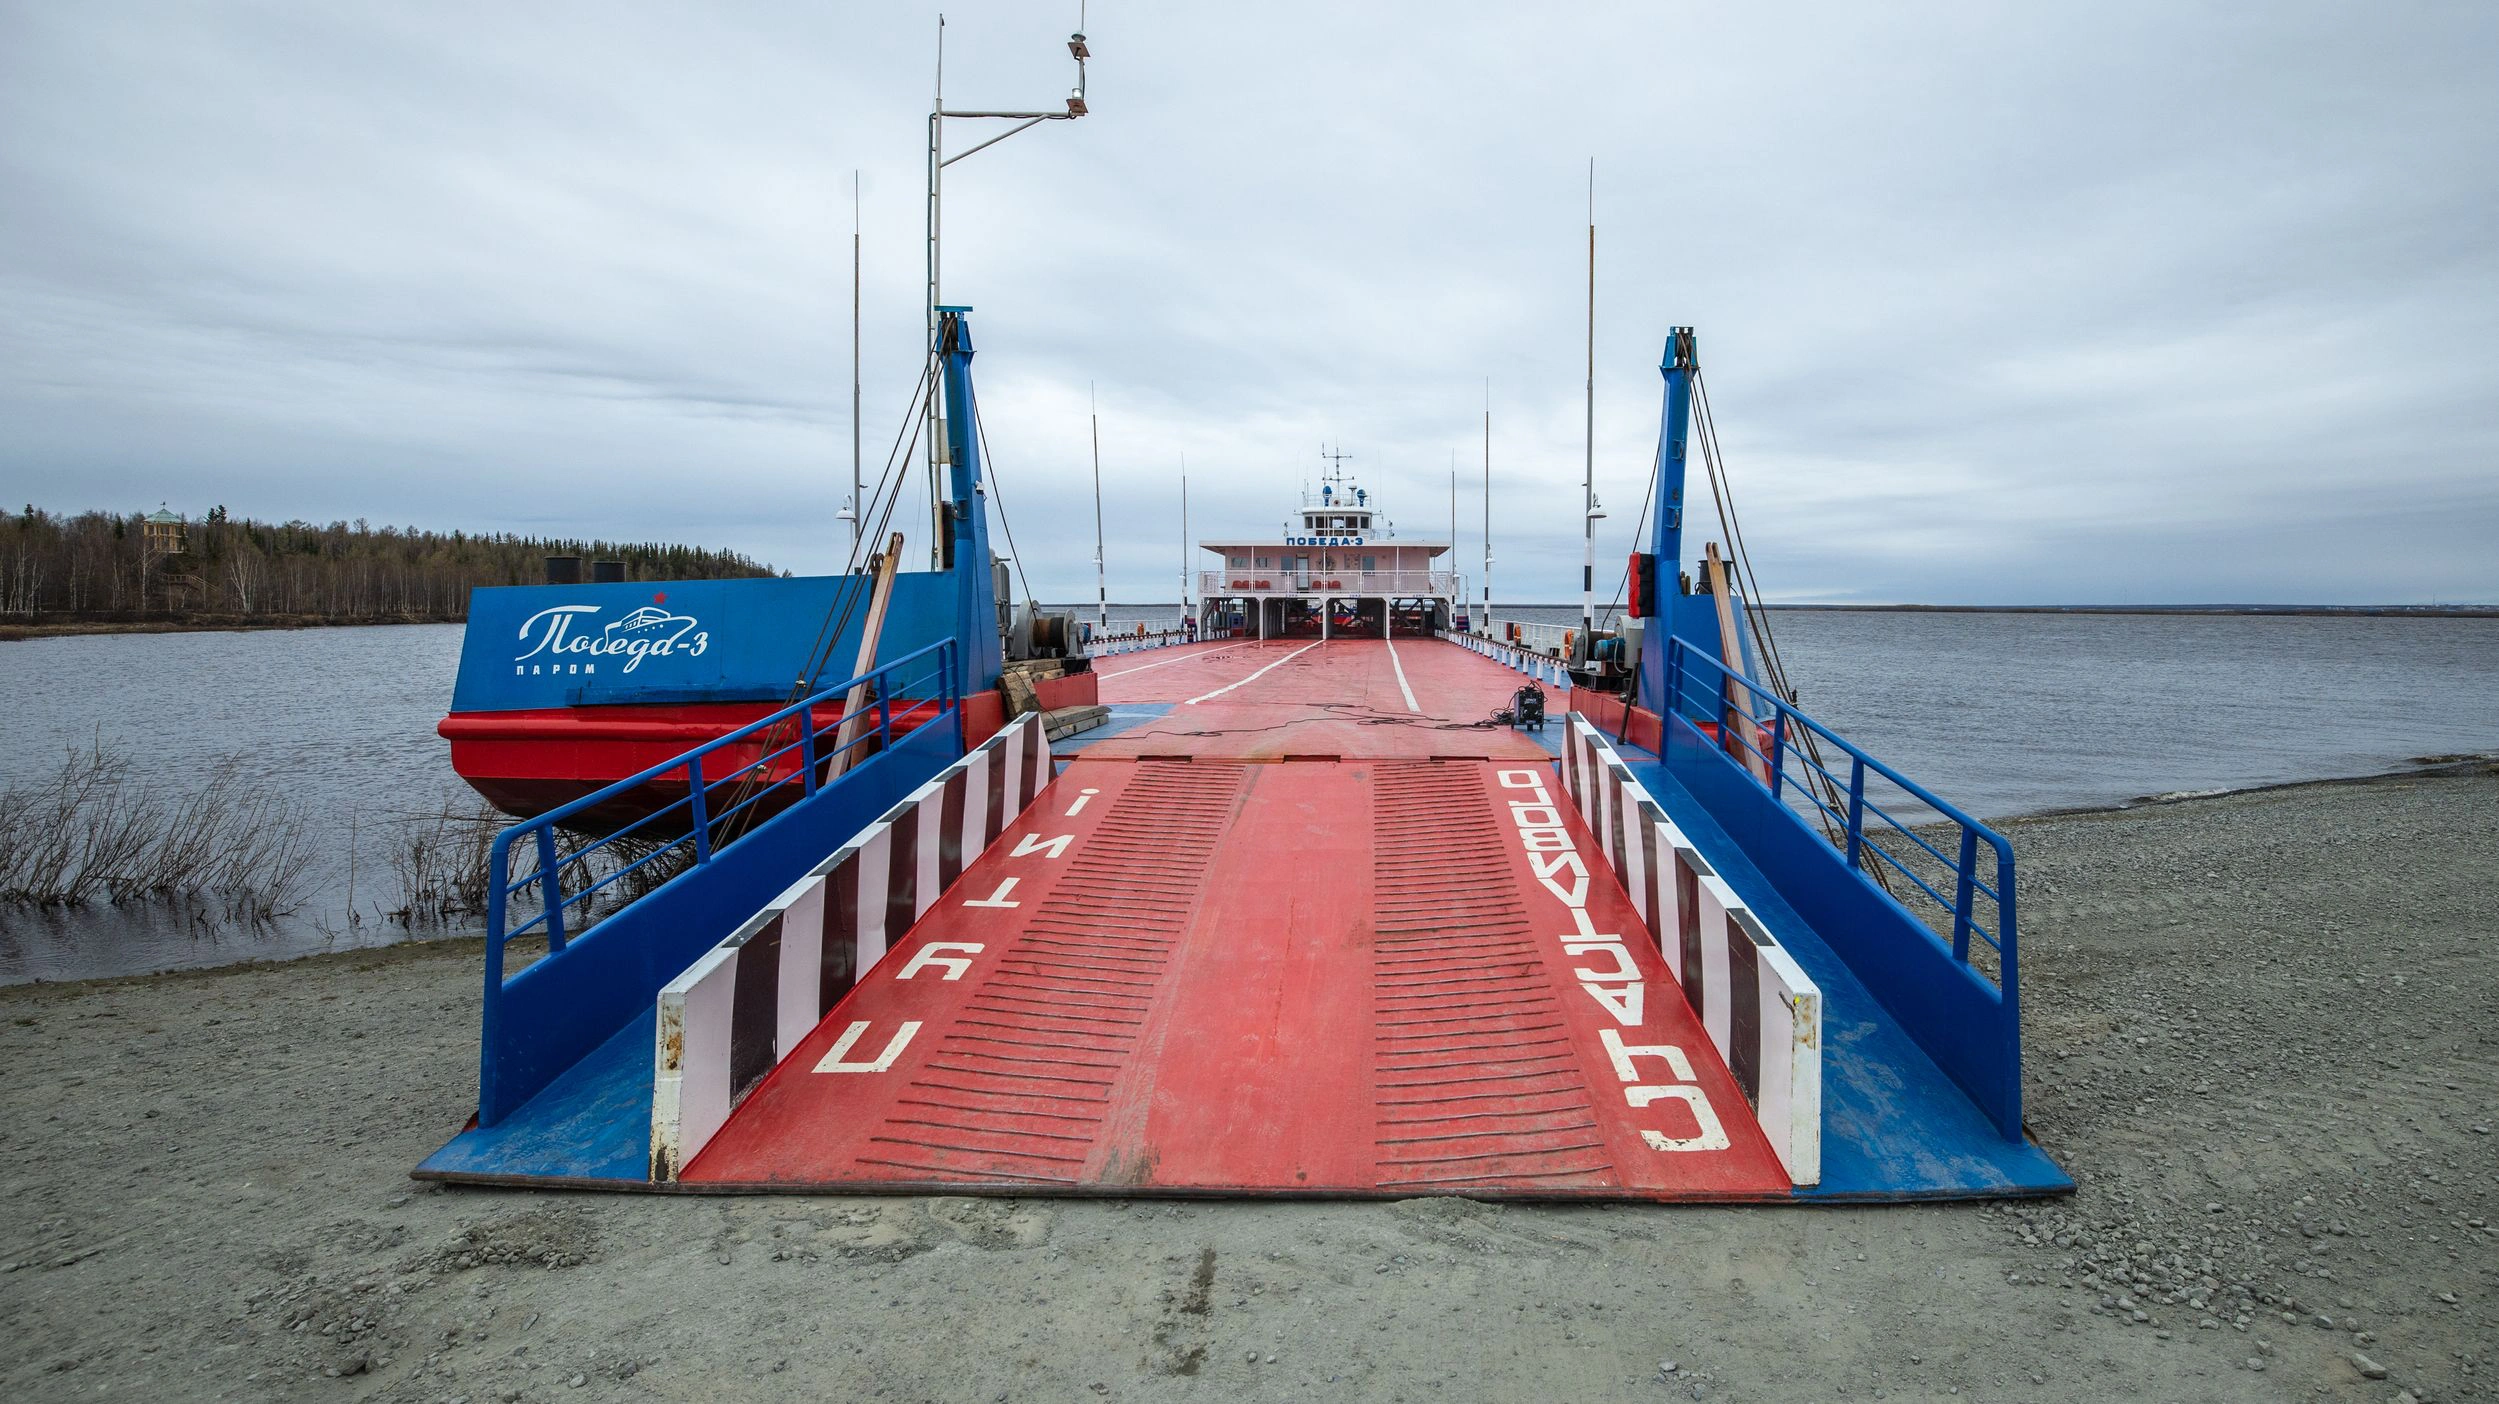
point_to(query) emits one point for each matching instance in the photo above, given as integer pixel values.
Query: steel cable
(1774, 665)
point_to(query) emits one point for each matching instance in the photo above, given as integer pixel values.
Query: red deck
(1346, 698)
(1369, 976)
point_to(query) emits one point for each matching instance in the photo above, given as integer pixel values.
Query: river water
(2002, 714)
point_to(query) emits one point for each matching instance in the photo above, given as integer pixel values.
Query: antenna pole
(1184, 535)
(938, 160)
(1101, 583)
(1458, 594)
(928, 348)
(1588, 474)
(857, 508)
(1487, 505)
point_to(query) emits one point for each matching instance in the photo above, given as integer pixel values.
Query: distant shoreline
(2440, 767)
(206, 624)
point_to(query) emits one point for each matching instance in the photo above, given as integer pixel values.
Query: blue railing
(918, 688)
(1777, 744)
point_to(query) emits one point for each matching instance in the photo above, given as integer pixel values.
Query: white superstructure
(1337, 564)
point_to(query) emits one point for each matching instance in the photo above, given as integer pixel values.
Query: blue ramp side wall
(676, 641)
(561, 1009)
(1947, 1008)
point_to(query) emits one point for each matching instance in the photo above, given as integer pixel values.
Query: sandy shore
(2261, 1036)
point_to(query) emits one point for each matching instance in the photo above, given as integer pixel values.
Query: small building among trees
(167, 533)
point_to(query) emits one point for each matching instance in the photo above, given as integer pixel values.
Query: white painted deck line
(1401, 674)
(1227, 687)
(1183, 658)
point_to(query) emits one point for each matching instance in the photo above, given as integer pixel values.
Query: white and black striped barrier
(737, 1012)
(1761, 1010)
(1541, 667)
(1113, 645)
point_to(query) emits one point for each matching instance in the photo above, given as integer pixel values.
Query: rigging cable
(1014, 552)
(1818, 779)
(1734, 528)
(1639, 528)
(855, 588)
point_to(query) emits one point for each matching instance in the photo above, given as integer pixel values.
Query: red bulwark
(1379, 976)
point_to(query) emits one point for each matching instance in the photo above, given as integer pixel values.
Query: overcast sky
(1997, 303)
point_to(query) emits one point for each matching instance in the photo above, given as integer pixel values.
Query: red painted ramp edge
(1359, 978)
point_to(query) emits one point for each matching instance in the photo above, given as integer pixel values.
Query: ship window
(1262, 563)
(1370, 563)
(1239, 562)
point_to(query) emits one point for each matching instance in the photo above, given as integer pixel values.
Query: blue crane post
(1682, 359)
(976, 604)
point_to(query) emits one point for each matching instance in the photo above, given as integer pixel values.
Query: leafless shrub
(91, 831)
(441, 861)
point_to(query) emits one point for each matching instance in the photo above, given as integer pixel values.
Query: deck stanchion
(1778, 750)
(947, 688)
(498, 910)
(2008, 956)
(551, 889)
(807, 746)
(1856, 811)
(1961, 894)
(702, 819)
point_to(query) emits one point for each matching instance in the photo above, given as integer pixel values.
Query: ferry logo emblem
(647, 619)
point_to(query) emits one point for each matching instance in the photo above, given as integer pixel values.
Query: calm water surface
(2000, 713)
(342, 718)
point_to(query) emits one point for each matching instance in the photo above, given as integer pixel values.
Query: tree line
(105, 566)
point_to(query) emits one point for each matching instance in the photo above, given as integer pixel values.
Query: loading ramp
(1226, 977)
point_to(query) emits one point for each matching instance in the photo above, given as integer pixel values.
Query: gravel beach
(2261, 1037)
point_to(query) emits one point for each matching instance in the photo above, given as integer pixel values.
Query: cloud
(2119, 303)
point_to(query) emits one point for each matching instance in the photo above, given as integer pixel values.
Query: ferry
(1332, 895)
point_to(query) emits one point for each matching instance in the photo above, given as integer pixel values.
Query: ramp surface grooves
(1477, 1083)
(1020, 1086)
(1381, 977)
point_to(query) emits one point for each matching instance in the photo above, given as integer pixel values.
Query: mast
(1184, 535)
(855, 508)
(1680, 363)
(1459, 595)
(1588, 474)
(976, 600)
(1487, 629)
(936, 204)
(1101, 586)
(1077, 49)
